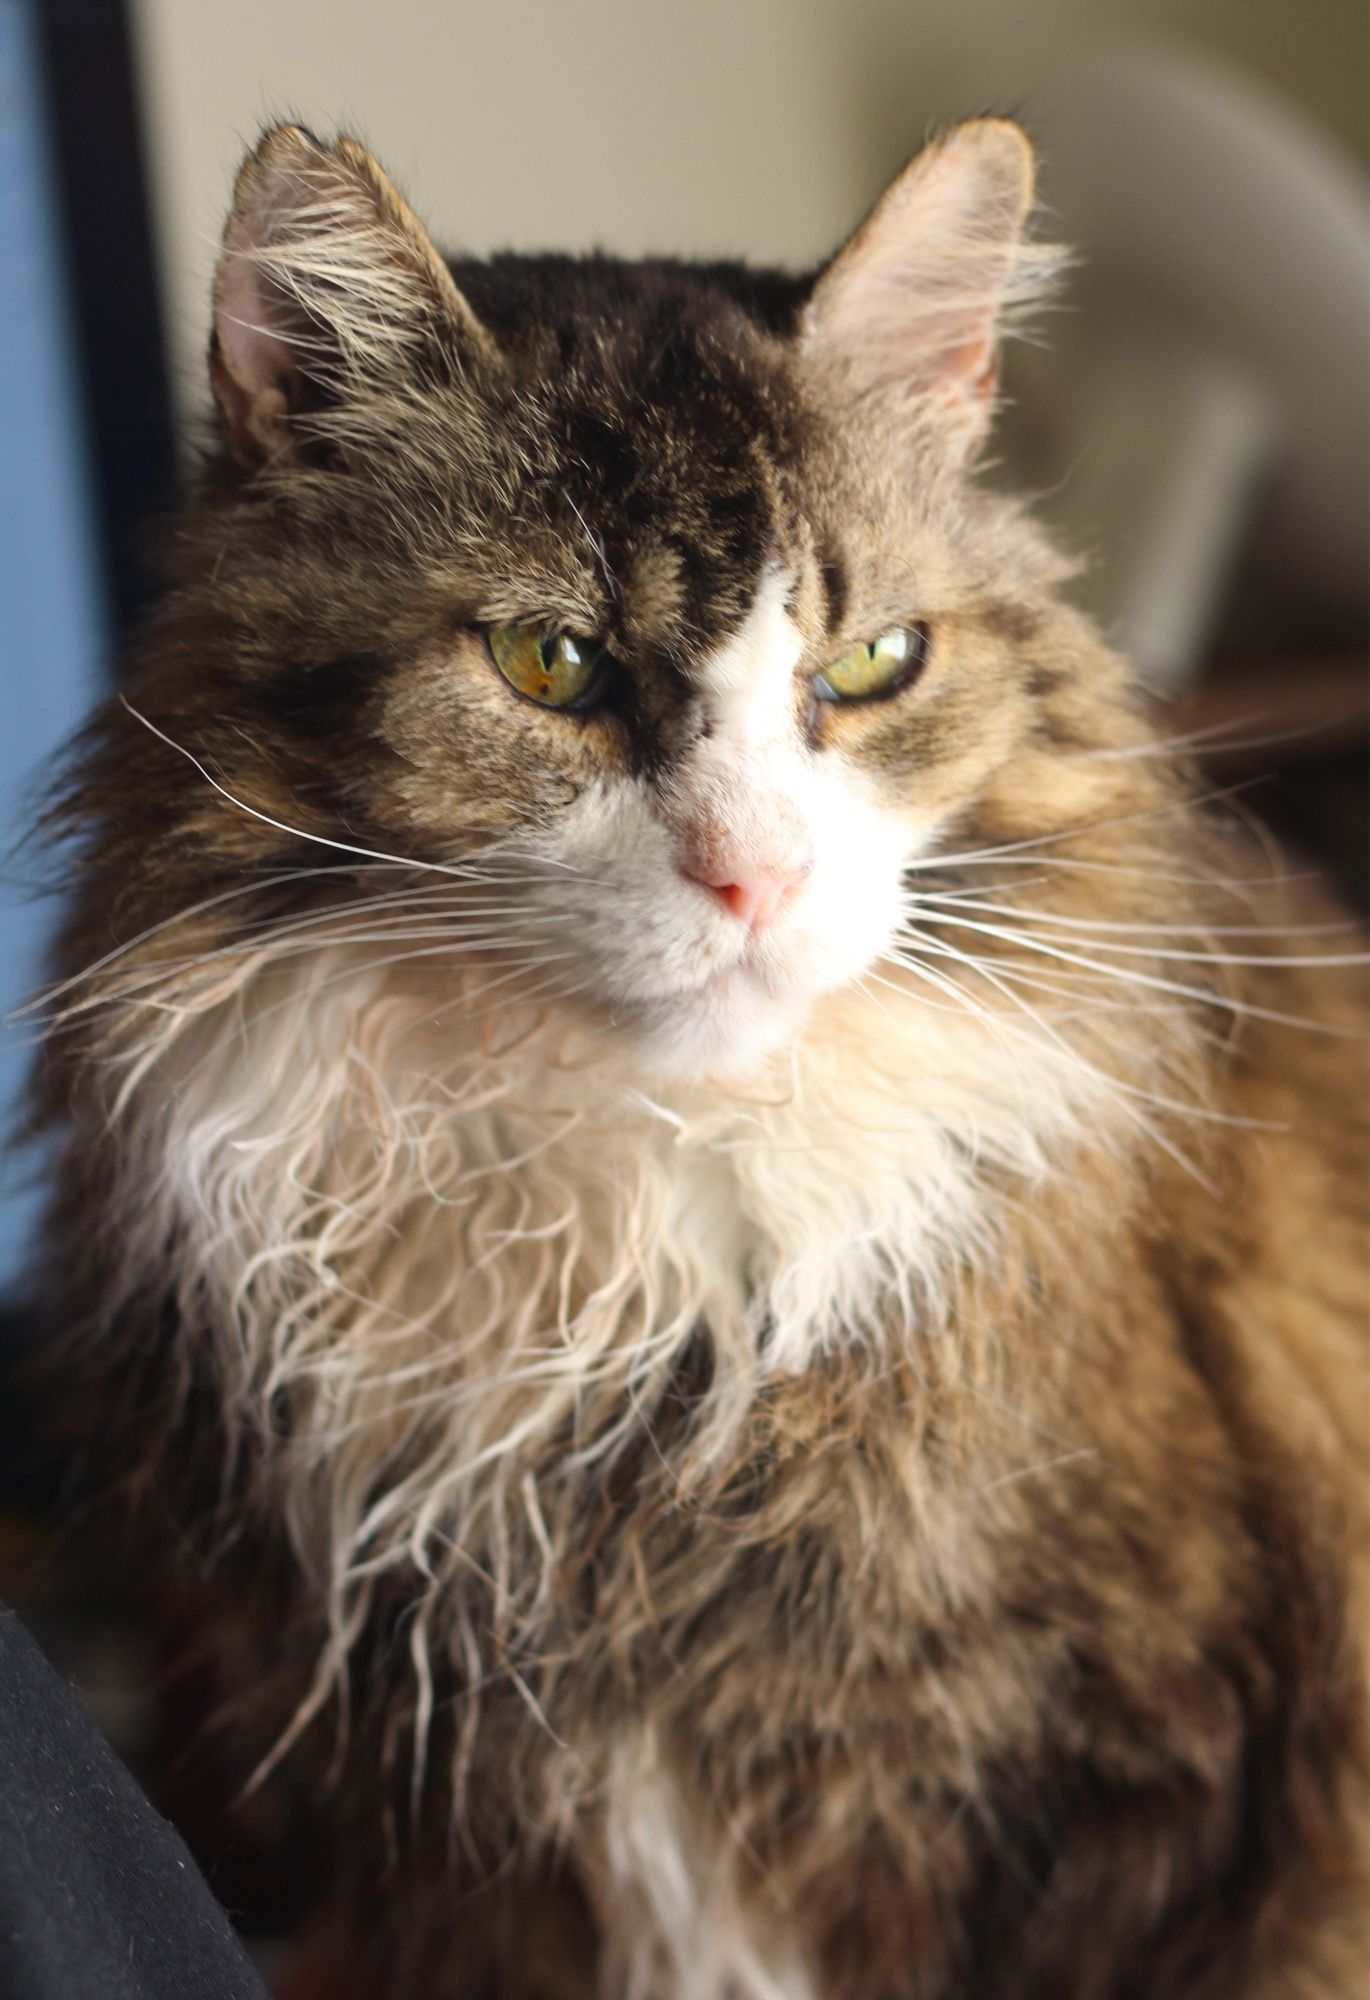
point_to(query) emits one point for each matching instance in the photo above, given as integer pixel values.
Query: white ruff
(444, 1244)
(466, 1263)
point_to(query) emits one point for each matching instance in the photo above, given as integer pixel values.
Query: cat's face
(661, 594)
(715, 876)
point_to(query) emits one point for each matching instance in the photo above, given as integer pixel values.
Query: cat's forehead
(650, 454)
(667, 429)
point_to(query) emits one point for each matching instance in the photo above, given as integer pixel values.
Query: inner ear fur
(913, 308)
(326, 279)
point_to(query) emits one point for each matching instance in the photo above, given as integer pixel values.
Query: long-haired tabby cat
(729, 1215)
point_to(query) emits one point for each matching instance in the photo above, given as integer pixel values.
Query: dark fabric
(99, 1898)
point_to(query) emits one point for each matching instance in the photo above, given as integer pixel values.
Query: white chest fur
(467, 1261)
(449, 1251)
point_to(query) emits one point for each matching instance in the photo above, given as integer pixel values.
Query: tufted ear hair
(327, 281)
(914, 305)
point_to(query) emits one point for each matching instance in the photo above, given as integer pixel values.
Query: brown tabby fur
(1023, 1657)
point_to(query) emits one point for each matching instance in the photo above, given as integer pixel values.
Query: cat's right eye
(875, 668)
(552, 668)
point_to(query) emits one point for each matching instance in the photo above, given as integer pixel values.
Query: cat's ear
(327, 282)
(913, 307)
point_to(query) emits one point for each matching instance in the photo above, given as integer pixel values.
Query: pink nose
(753, 895)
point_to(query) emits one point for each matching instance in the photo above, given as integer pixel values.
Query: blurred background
(1193, 418)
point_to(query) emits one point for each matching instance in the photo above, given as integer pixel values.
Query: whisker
(1222, 737)
(166, 976)
(253, 888)
(1155, 981)
(295, 832)
(1117, 1085)
(334, 920)
(984, 855)
(472, 873)
(931, 900)
(1168, 952)
(1233, 885)
(1079, 989)
(893, 986)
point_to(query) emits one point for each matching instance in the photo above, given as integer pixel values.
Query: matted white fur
(444, 1237)
(446, 1240)
(674, 1921)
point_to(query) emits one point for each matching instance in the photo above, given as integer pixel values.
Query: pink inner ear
(912, 306)
(257, 354)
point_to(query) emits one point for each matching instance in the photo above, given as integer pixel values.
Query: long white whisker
(280, 826)
(473, 872)
(932, 904)
(1129, 1094)
(986, 854)
(931, 900)
(1236, 885)
(164, 978)
(1159, 984)
(256, 887)
(336, 921)
(1079, 989)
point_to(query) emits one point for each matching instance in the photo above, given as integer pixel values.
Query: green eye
(876, 667)
(545, 666)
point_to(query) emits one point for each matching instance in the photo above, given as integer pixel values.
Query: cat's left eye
(550, 667)
(876, 667)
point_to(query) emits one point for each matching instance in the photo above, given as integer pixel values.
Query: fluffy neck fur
(449, 1266)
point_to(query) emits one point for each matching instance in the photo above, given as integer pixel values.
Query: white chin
(726, 1026)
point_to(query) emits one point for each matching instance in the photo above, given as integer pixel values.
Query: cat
(726, 1213)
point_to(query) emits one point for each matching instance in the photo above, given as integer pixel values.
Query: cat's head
(664, 592)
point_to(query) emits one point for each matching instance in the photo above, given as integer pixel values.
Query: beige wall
(752, 126)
